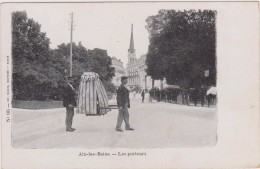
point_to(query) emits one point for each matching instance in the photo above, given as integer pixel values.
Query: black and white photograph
(123, 78)
(132, 80)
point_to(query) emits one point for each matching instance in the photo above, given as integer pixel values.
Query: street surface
(157, 125)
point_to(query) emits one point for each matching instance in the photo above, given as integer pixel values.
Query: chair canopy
(92, 95)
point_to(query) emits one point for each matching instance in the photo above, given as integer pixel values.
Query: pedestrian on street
(203, 94)
(123, 103)
(142, 94)
(157, 94)
(69, 101)
(150, 96)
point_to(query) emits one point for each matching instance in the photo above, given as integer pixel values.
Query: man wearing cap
(123, 103)
(69, 101)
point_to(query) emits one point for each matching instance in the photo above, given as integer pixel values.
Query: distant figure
(185, 97)
(123, 103)
(69, 101)
(203, 95)
(142, 94)
(150, 96)
(211, 98)
(157, 93)
(196, 96)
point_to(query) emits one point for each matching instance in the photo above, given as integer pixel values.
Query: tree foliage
(38, 71)
(86, 60)
(182, 46)
(30, 51)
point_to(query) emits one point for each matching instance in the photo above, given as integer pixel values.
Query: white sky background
(98, 25)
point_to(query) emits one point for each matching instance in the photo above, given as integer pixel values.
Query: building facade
(119, 71)
(136, 68)
(145, 81)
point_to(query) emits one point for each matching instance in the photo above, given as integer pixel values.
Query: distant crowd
(185, 96)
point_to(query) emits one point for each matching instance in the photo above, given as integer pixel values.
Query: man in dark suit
(69, 101)
(143, 94)
(123, 103)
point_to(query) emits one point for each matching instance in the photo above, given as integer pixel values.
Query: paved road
(157, 125)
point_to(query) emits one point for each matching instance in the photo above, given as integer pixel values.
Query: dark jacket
(142, 94)
(69, 96)
(122, 96)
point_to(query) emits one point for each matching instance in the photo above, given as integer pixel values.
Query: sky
(97, 25)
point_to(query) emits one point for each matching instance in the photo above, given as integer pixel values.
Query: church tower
(131, 50)
(132, 64)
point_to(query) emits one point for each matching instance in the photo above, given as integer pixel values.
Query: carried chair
(92, 96)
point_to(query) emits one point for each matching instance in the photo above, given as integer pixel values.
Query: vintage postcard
(130, 85)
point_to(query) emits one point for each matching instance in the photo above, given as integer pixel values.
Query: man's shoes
(69, 130)
(120, 130)
(130, 129)
(73, 128)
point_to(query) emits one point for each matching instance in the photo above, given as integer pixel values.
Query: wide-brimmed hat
(124, 77)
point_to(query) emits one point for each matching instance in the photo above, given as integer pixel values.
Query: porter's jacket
(69, 96)
(122, 96)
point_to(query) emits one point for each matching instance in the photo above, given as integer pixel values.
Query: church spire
(131, 47)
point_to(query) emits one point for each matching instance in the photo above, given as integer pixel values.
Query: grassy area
(36, 104)
(50, 104)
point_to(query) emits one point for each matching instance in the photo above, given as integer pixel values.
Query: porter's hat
(123, 77)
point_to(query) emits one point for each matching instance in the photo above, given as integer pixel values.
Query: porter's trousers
(123, 115)
(69, 116)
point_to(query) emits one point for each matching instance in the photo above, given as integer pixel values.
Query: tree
(86, 60)
(102, 64)
(30, 52)
(39, 72)
(184, 42)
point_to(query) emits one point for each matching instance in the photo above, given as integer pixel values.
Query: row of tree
(39, 71)
(182, 47)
